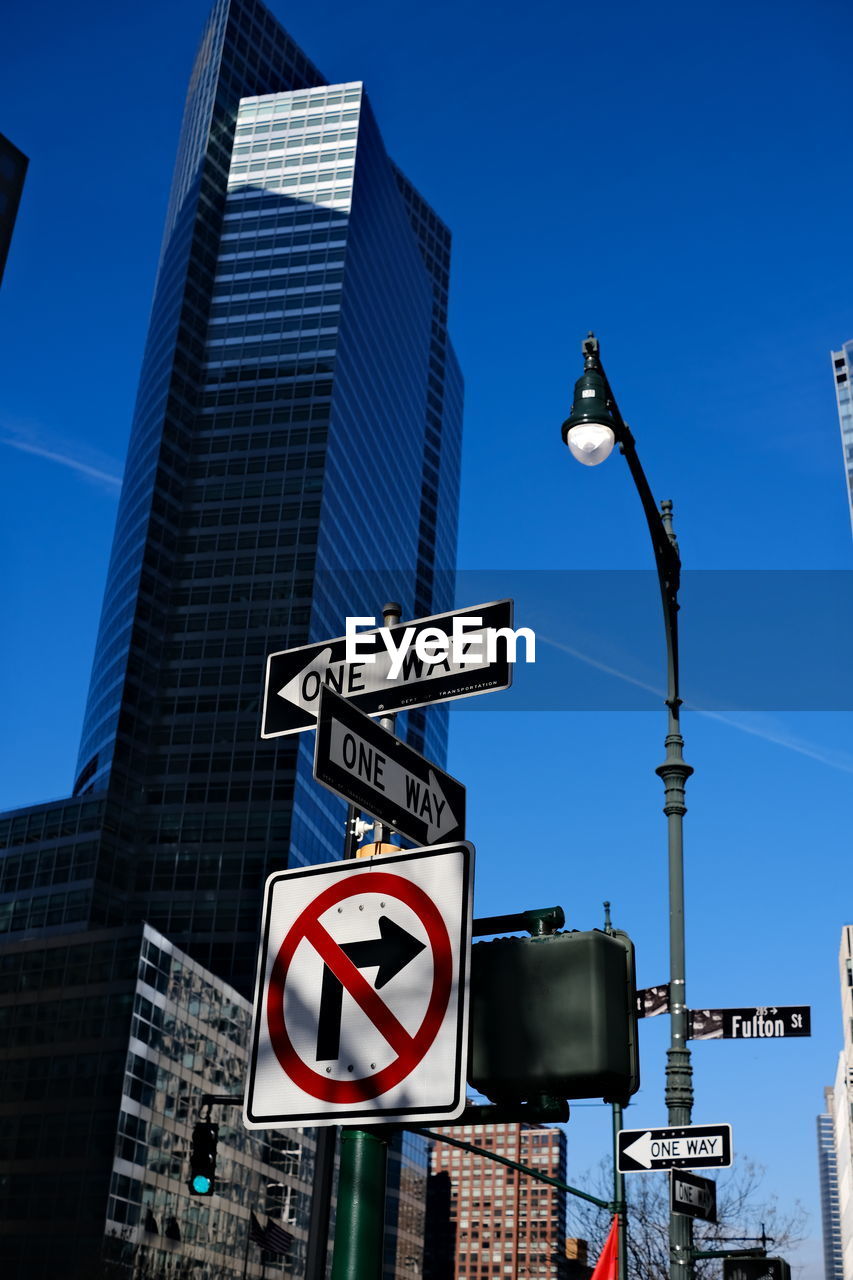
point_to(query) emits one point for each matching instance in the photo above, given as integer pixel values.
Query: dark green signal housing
(554, 1015)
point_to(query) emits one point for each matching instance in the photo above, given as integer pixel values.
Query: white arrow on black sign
(697, 1146)
(359, 760)
(294, 677)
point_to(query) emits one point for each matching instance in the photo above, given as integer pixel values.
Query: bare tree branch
(743, 1211)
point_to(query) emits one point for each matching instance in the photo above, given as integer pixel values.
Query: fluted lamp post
(592, 428)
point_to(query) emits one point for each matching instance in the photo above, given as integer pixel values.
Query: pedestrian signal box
(554, 1015)
(756, 1269)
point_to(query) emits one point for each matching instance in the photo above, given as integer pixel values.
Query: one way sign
(696, 1146)
(359, 760)
(295, 677)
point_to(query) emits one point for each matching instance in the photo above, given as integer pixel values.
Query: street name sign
(759, 1023)
(693, 1196)
(359, 760)
(295, 677)
(696, 1146)
(361, 998)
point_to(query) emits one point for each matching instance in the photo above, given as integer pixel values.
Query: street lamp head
(589, 430)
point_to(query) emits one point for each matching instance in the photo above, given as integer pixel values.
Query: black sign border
(415, 693)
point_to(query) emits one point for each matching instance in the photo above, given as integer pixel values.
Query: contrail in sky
(114, 482)
(779, 736)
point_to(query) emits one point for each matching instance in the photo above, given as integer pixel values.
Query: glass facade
(297, 376)
(842, 368)
(833, 1262)
(294, 458)
(109, 1040)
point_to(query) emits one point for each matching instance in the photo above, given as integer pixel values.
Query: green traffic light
(202, 1184)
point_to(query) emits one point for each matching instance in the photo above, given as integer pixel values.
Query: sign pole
(359, 1230)
(324, 1155)
(360, 1225)
(620, 1208)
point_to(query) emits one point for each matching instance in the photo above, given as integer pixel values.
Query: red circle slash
(410, 1049)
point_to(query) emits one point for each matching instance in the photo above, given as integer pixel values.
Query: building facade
(828, 1176)
(842, 1105)
(132, 1033)
(294, 459)
(489, 1222)
(842, 368)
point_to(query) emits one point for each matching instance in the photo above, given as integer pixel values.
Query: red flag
(607, 1267)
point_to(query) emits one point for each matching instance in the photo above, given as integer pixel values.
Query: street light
(593, 426)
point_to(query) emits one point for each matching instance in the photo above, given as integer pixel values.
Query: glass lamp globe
(591, 442)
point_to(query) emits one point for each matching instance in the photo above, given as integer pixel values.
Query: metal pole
(391, 614)
(619, 1206)
(360, 1225)
(320, 1216)
(674, 772)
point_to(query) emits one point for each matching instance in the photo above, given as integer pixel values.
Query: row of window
(263, 121)
(277, 286)
(49, 866)
(275, 462)
(69, 820)
(322, 302)
(258, 791)
(274, 393)
(262, 262)
(282, 105)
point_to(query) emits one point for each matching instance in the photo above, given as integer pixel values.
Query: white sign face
(694, 1146)
(361, 1000)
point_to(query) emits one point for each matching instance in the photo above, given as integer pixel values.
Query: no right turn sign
(361, 999)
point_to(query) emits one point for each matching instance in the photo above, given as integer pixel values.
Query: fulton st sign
(761, 1022)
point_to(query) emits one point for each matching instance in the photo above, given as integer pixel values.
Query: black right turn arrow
(390, 953)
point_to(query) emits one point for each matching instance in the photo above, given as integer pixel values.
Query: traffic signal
(756, 1269)
(554, 1015)
(202, 1179)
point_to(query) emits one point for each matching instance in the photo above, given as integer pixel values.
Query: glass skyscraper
(294, 458)
(833, 1262)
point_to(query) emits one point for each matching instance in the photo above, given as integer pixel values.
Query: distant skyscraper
(828, 1174)
(294, 458)
(13, 170)
(842, 365)
(502, 1225)
(837, 1125)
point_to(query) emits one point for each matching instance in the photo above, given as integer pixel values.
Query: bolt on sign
(361, 999)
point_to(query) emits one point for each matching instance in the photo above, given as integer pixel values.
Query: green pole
(360, 1224)
(595, 402)
(619, 1206)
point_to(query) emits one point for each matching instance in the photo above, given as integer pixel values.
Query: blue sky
(675, 177)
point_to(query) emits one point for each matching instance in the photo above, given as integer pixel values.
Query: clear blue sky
(675, 177)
